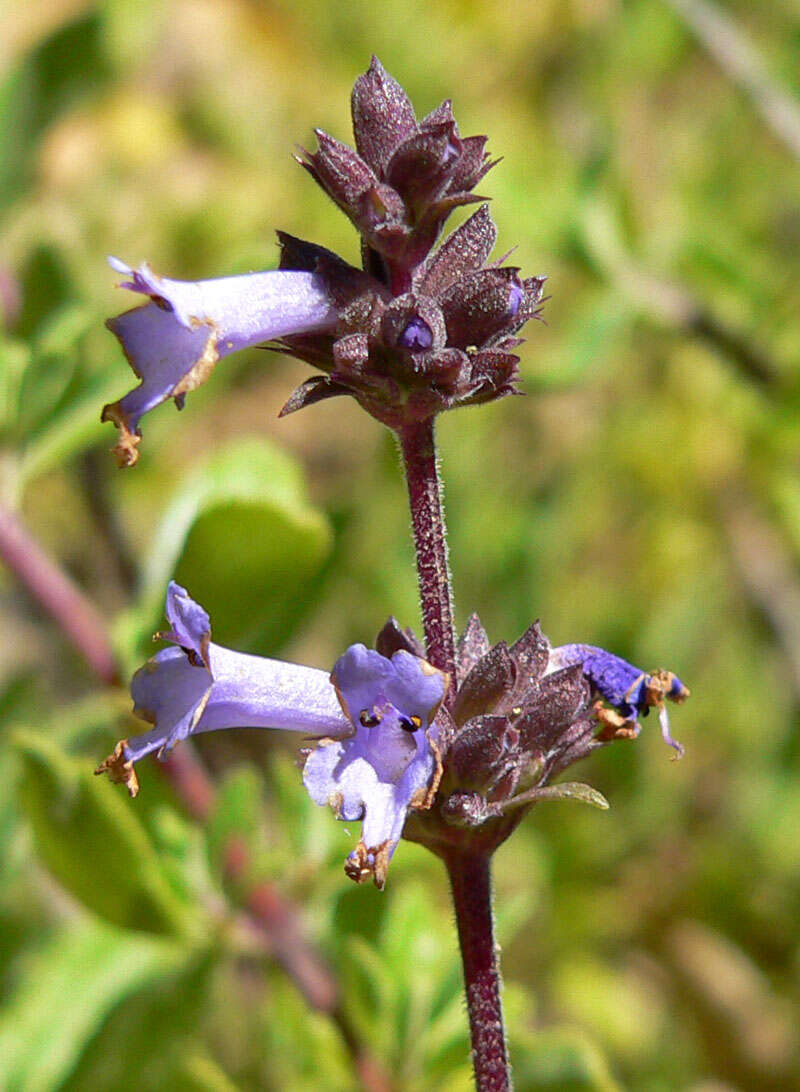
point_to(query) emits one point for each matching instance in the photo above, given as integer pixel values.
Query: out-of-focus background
(644, 496)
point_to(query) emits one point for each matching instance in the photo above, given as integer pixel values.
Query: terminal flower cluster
(416, 331)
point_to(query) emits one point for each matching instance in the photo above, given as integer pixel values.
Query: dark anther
(192, 657)
(369, 719)
(410, 724)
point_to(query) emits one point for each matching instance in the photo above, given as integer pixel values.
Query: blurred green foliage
(645, 496)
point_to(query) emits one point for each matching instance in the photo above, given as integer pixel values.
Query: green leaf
(558, 1060)
(240, 523)
(89, 836)
(52, 367)
(571, 790)
(14, 359)
(201, 1073)
(149, 1043)
(62, 70)
(403, 991)
(76, 428)
(66, 992)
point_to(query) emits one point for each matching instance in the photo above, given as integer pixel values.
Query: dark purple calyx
(520, 715)
(421, 330)
(513, 725)
(404, 177)
(449, 339)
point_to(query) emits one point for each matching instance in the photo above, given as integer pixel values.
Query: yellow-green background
(644, 496)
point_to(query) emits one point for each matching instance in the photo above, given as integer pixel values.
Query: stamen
(663, 718)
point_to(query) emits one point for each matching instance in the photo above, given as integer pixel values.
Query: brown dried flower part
(120, 768)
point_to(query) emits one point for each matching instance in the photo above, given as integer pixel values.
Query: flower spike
(417, 331)
(520, 715)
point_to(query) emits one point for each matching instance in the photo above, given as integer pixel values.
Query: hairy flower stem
(470, 882)
(418, 446)
(469, 871)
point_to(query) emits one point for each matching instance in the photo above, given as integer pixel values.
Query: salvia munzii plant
(446, 741)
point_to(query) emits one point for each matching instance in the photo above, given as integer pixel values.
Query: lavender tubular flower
(196, 686)
(392, 764)
(174, 341)
(377, 757)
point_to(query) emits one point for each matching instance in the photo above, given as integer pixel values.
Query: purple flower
(173, 342)
(630, 691)
(373, 719)
(392, 763)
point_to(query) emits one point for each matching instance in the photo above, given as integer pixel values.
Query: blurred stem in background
(78, 619)
(742, 63)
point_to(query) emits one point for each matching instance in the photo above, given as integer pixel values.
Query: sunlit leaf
(89, 836)
(68, 989)
(238, 522)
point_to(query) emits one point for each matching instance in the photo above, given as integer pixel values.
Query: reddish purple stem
(469, 871)
(470, 882)
(58, 596)
(418, 446)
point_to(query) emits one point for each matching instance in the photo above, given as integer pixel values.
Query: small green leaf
(146, 1043)
(571, 790)
(53, 365)
(89, 836)
(202, 1074)
(558, 1060)
(14, 359)
(77, 427)
(66, 992)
